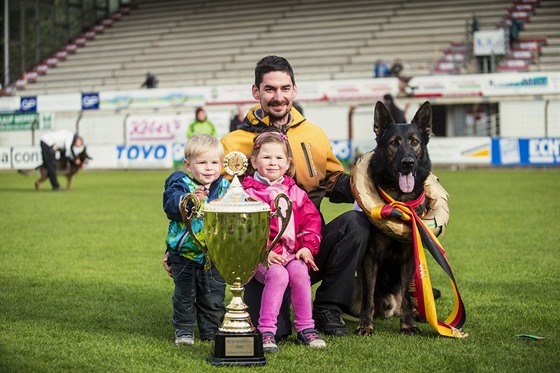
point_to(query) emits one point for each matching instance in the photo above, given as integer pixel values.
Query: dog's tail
(26, 172)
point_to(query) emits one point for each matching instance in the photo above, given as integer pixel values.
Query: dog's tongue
(406, 182)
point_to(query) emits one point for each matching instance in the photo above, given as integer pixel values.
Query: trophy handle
(187, 220)
(284, 222)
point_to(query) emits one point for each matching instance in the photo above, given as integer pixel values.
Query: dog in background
(63, 167)
(399, 165)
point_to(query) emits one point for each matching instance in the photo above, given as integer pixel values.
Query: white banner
(153, 98)
(446, 150)
(162, 128)
(489, 85)
(490, 42)
(20, 157)
(460, 150)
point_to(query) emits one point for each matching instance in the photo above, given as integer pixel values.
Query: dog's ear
(423, 118)
(381, 119)
(84, 156)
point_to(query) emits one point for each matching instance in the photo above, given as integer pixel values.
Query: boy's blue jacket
(178, 240)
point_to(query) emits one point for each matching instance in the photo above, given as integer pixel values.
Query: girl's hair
(199, 144)
(277, 138)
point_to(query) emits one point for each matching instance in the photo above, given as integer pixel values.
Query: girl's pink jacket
(304, 226)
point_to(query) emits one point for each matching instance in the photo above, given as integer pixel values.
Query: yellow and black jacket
(318, 171)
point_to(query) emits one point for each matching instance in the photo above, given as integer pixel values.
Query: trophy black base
(238, 349)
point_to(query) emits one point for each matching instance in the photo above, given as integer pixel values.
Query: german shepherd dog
(399, 165)
(63, 167)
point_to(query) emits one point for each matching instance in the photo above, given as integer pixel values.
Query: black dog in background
(400, 165)
(63, 167)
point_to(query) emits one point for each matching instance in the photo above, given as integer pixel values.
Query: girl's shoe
(269, 342)
(310, 337)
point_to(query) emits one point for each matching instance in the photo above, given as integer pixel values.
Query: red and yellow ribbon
(421, 285)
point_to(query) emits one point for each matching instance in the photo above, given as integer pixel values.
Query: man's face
(276, 95)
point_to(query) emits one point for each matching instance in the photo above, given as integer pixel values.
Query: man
(67, 143)
(237, 118)
(150, 82)
(320, 174)
(396, 112)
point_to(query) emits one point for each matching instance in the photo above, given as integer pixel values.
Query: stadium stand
(194, 43)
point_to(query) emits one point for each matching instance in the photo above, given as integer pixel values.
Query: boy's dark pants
(198, 297)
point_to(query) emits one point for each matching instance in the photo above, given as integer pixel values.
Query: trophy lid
(236, 200)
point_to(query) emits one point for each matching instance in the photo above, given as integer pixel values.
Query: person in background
(292, 257)
(150, 82)
(380, 69)
(201, 124)
(515, 27)
(320, 174)
(237, 119)
(396, 112)
(396, 68)
(198, 297)
(64, 141)
(298, 107)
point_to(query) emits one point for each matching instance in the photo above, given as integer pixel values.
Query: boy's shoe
(269, 342)
(329, 322)
(310, 337)
(183, 338)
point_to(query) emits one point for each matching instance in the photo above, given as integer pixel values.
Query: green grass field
(82, 288)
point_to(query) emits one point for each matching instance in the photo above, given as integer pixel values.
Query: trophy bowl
(236, 233)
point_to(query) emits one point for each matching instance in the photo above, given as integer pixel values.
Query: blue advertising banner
(342, 149)
(543, 151)
(28, 104)
(90, 101)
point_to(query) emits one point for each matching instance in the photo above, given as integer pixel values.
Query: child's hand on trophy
(305, 254)
(201, 192)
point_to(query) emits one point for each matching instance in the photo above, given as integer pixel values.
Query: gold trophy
(236, 231)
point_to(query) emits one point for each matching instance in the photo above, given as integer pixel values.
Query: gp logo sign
(28, 104)
(90, 101)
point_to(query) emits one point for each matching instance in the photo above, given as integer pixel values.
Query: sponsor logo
(90, 101)
(141, 152)
(28, 104)
(545, 150)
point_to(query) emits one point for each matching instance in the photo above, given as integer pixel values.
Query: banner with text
(24, 121)
(526, 152)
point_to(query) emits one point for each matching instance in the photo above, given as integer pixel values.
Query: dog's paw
(364, 330)
(417, 317)
(410, 330)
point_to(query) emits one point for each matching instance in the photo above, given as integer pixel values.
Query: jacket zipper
(307, 160)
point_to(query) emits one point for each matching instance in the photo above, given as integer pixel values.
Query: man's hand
(305, 254)
(388, 211)
(166, 265)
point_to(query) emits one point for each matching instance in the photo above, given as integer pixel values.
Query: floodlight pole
(6, 46)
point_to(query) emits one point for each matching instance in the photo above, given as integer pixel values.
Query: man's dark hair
(272, 63)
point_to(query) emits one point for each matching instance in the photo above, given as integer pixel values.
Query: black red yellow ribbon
(421, 285)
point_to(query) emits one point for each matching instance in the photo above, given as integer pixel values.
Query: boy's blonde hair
(199, 144)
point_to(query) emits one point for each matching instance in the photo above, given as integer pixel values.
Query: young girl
(290, 260)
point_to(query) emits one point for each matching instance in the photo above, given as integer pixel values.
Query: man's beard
(274, 117)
